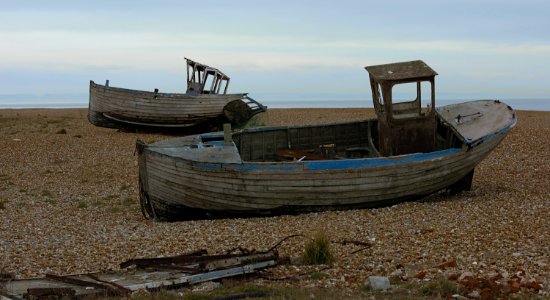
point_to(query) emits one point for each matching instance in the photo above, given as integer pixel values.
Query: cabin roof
(401, 71)
(206, 68)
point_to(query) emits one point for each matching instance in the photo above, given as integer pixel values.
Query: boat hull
(113, 107)
(177, 185)
(177, 188)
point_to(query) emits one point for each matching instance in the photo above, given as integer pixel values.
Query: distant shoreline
(38, 109)
(279, 100)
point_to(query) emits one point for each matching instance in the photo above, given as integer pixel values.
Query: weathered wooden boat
(408, 151)
(205, 102)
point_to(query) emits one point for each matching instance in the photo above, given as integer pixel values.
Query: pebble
(379, 283)
(70, 205)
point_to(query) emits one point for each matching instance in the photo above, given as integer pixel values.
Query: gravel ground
(69, 204)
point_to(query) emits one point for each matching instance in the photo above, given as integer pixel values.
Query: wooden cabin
(203, 79)
(404, 100)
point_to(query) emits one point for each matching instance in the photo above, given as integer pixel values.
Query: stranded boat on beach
(206, 102)
(410, 150)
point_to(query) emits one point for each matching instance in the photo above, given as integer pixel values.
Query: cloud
(68, 50)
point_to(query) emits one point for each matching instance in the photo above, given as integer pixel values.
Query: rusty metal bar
(282, 240)
(239, 260)
(197, 264)
(148, 262)
(115, 285)
(107, 288)
(50, 293)
(192, 279)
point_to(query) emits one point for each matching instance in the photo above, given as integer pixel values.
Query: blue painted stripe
(328, 164)
(210, 135)
(490, 136)
(376, 162)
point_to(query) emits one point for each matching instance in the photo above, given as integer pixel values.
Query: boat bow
(477, 121)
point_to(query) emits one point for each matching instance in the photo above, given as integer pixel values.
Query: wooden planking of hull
(198, 176)
(124, 108)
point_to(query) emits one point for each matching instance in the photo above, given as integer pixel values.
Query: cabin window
(222, 86)
(379, 101)
(379, 94)
(411, 99)
(209, 83)
(195, 79)
(426, 96)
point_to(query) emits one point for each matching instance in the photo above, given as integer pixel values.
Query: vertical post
(188, 78)
(107, 83)
(226, 85)
(227, 139)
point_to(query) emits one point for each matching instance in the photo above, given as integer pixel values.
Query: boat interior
(323, 142)
(406, 122)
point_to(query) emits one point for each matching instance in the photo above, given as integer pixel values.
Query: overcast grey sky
(488, 49)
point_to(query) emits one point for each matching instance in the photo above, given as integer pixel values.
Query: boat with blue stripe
(408, 151)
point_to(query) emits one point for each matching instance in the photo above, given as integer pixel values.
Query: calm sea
(314, 101)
